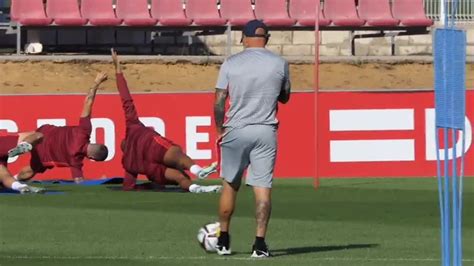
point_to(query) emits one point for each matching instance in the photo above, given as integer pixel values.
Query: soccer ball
(207, 236)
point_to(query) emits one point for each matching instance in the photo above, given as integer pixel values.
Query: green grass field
(345, 222)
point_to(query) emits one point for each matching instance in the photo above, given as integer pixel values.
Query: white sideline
(280, 258)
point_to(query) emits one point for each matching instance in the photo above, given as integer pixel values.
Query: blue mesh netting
(450, 76)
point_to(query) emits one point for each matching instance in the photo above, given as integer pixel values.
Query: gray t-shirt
(254, 79)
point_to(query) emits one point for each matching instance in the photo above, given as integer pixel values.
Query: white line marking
(377, 150)
(371, 119)
(282, 258)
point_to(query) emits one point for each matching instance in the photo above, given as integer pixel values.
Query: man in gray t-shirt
(254, 80)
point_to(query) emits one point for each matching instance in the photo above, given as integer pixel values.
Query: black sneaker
(223, 250)
(223, 245)
(260, 253)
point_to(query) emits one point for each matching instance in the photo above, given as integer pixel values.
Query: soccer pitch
(345, 222)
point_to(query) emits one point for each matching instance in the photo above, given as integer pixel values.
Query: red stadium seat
(410, 13)
(169, 13)
(99, 12)
(29, 13)
(65, 12)
(204, 13)
(342, 13)
(377, 13)
(238, 12)
(273, 12)
(135, 13)
(304, 11)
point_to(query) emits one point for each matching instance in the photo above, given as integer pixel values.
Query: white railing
(465, 10)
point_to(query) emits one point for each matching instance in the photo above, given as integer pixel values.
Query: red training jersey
(65, 146)
(143, 147)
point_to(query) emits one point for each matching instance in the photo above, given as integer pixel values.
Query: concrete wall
(336, 43)
(301, 43)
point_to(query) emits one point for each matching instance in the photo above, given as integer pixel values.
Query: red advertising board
(383, 134)
(361, 134)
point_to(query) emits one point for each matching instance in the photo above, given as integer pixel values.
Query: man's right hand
(220, 132)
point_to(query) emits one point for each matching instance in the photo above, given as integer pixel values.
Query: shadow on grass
(316, 249)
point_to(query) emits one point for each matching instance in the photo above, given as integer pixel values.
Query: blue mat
(9, 192)
(173, 189)
(93, 182)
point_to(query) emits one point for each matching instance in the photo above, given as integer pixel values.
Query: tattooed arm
(219, 110)
(285, 92)
(89, 101)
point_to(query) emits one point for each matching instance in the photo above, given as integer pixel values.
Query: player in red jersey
(12, 145)
(67, 146)
(148, 153)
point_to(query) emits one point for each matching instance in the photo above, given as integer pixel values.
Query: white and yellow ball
(207, 236)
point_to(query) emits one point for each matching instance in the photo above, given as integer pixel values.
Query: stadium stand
(305, 16)
(377, 13)
(65, 12)
(135, 13)
(30, 13)
(169, 13)
(204, 13)
(342, 13)
(273, 13)
(209, 17)
(411, 13)
(99, 13)
(237, 12)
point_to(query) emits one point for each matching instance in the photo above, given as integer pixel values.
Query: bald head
(97, 152)
(255, 41)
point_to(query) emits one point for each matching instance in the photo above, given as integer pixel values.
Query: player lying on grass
(148, 153)
(10, 146)
(67, 146)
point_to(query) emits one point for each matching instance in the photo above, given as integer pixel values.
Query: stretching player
(67, 146)
(148, 153)
(10, 146)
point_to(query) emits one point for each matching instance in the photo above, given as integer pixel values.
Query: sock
(22, 145)
(194, 188)
(224, 239)
(27, 144)
(195, 169)
(17, 186)
(15, 177)
(260, 243)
